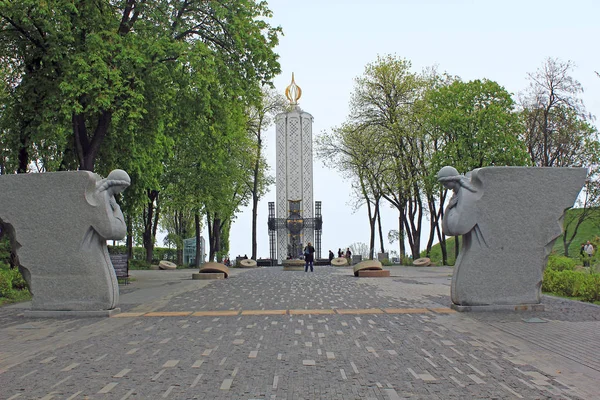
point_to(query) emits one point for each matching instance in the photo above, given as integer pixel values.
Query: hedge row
(560, 277)
(10, 280)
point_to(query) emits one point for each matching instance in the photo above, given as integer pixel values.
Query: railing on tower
(318, 228)
(272, 230)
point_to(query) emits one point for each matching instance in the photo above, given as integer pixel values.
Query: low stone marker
(248, 263)
(121, 266)
(422, 262)
(59, 223)
(509, 218)
(212, 270)
(167, 265)
(340, 262)
(293, 265)
(370, 268)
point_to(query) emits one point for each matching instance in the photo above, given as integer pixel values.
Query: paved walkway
(269, 334)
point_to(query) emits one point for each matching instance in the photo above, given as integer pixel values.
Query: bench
(121, 265)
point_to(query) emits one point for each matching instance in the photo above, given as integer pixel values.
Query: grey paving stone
(424, 356)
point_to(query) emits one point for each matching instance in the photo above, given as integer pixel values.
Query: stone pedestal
(293, 265)
(208, 275)
(374, 274)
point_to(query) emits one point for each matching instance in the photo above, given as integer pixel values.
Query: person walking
(589, 250)
(340, 252)
(309, 252)
(330, 256)
(349, 256)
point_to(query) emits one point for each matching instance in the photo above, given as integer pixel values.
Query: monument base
(499, 307)
(208, 275)
(366, 273)
(70, 314)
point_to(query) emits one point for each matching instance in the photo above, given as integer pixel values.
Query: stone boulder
(422, 262)
(293, 265)
(340, 262)
(372, 265)
(167, 265)
(248, 263)
(214, 267)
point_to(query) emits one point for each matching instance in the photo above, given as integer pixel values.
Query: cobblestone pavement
(269, 334)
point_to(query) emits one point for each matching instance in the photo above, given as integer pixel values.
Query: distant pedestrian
(340, 252)
(309, 252)
(330, 256)
(349, 256)
(589, 251)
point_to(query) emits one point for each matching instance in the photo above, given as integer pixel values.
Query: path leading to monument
(269, 334)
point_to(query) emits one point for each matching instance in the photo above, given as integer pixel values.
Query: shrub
(18, 282)
(560, 263)
(6, 288)
(138, 264)
(386, 262)
(589, 288)
(564, 283)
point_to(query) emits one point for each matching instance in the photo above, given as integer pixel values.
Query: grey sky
(328, 43)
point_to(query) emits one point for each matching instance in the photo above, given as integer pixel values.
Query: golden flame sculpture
(293, 92)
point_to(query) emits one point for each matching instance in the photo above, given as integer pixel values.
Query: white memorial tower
(294, 177)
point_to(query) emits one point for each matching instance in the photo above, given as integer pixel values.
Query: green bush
(386, 262)
(564, 283)
(589, 288)
(138, 264)
(6, 289)
(560, 263)
(18, 282)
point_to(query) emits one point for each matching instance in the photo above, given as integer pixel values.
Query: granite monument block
(509, 218)
(59, 223)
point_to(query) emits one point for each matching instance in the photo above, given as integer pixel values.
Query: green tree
(260, 117)
(558, 133)
(90, 58)
(353, 150)
(473, 125)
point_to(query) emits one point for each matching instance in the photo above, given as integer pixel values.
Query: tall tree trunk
(198, 243)
(401, 237)
(180, 231)
(255, 196)
(372, 214)
(149, 230)
(209, 224)
(87, 149)
(23, 157)
(214, 237)
(378, 212)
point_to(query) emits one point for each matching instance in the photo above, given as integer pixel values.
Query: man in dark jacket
(330, 256)
(309, 252)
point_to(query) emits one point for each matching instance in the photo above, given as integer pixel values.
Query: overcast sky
(328, 43)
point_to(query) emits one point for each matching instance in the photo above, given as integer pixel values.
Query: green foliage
(475, 126)
(564, 283)
(557, 262)
(18, 282)
(589, 287)
(386, 262)
(587, 230)
(138, 264)
(436, 252)
(12, 285)
(6, 289)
